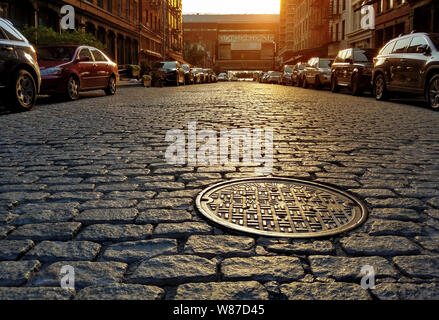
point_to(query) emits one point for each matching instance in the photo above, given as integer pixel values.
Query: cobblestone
(93, 171)
(324, 291)
(108, 232)
(86, 274)
(50, 251)
(380, 246)
(264, 269)
(139, 250)
(118, 291)
(174, 270)
(16, 273)
(242, 290)
(220, 245)
(349, 269)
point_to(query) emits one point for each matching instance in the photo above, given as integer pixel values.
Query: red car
(67, 70)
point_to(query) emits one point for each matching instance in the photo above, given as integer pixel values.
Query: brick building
(307, 25)
(235, 42)
(133, 31)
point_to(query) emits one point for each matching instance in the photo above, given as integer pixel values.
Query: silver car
(317, 73)
(273, 77)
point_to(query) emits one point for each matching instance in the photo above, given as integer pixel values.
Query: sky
(231, 6)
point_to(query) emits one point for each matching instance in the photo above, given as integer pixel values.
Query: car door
(416, 62)
(86, 69)
(102, 68)
(8, 55)
(398, 64)
(348, 67)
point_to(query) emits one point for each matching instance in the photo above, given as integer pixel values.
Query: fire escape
(319, 21)
(334, 15)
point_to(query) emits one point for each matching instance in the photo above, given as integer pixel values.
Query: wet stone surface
(86, 184)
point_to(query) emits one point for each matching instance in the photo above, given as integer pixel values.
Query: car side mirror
(424, 49)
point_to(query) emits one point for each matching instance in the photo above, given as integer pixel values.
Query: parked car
(298, 73)
(20, 78)
(223, 77)
(203, 76)
(70, 69)
(317, 73)
(410, 64)
(188, 75)
(210, 76)
(172, 70)
(273, 77)
(352, 68)
(196, 75)
(286, 76)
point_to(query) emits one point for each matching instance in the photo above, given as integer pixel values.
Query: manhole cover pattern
(281, 207)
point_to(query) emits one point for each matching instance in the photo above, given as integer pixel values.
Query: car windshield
(185, 67)
(301, 66)
(364, 55)
(56, 53)
(435, 40)
(288, 69)
(165, 65)
(325, 63)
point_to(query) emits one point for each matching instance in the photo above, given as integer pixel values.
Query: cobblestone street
(86, 184)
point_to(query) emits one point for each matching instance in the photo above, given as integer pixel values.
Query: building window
(128, 10)
(344, 5)
(343, 29)
(336, 32)
(101, 3)
(110, 5)
(119, 8)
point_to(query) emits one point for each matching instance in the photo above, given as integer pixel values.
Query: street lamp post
(164, 23)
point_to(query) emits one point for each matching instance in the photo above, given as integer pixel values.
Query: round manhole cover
(281, 207)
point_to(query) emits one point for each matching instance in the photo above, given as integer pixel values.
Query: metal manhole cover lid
(281, 207)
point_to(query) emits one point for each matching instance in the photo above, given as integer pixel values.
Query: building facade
(235, 42)
(307, 24)
(358, 37)
(340, 25)
(133, 31)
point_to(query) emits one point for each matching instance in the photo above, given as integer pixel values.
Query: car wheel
(433, 92)
(111, 88)
(24, 93)
(355, 85)
(304, 83)
(317, 84)
(334, 85)
(379, 88)
(72, 91)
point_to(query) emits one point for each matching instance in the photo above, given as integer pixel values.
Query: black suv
(352, 68)
(19, 72)
(409, 63)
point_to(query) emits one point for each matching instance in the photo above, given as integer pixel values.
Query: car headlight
(51, 71)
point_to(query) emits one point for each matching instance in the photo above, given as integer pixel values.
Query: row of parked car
(56, 70)
(69, 69)
(172, 72)
(407, 64)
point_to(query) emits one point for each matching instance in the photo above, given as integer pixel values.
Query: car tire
(23, 92)
(433, 92)
(334, 85)
(355, 85)
(110, 90)
(380, 89)
(304, 83)
(72, 89)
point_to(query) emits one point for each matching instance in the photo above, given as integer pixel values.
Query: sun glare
(231, 6)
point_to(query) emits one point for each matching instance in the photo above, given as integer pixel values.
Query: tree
(195, 54)
(44, 36)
